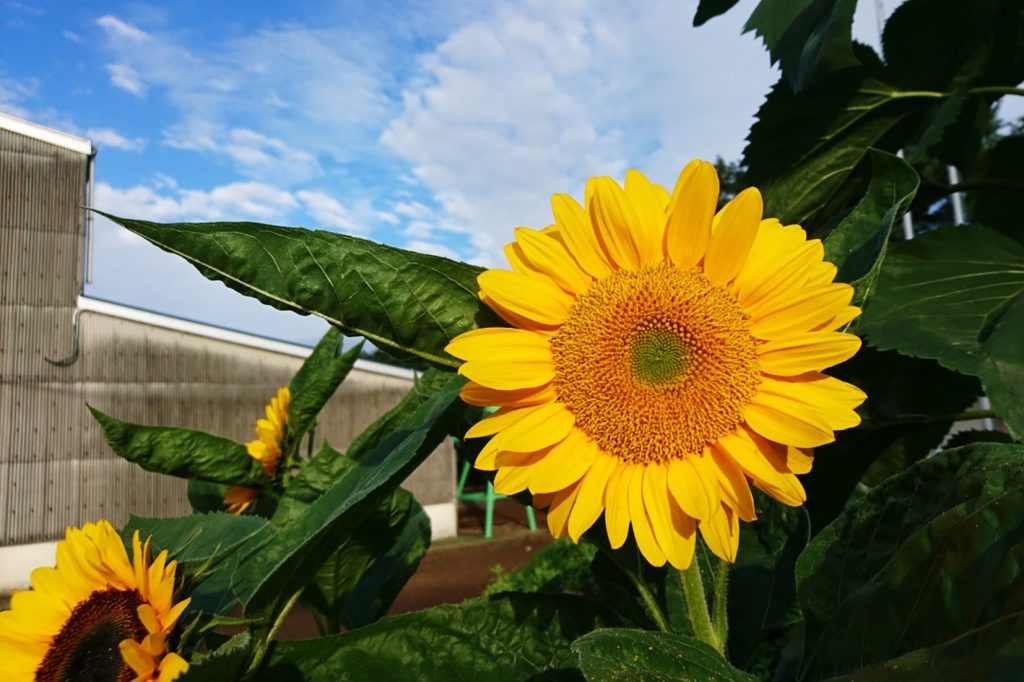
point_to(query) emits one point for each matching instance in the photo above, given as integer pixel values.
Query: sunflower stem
(697, 607)
(263, 644)
(719, 618)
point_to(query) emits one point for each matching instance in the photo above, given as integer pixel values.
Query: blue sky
(436, 126)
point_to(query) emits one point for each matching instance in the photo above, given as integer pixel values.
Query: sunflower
(266, 449)
(96, 616)
(661, 358)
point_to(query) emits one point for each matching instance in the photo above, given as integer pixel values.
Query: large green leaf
(808, 38)
(507, 637)
(857, 245)
(295, 551)
(182, 452)
(224, 664)
(762, 590)
(804, 147)
(317, 380)
(407, 302)
(957, 295)
(361, 578)
(627, 655)
(709, 9)
(926, 571)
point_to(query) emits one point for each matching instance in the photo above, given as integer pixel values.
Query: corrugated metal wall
(55, 468)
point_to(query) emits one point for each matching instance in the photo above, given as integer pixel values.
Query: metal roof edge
(95, 305)
(45, 134)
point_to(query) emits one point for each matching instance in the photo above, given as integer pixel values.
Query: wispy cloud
(328, 211)
(122, 29)
(126, 78)
(108, 137)
(234, 201)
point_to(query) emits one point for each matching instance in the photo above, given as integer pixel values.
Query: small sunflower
(661, 358)
(266, 449)
(96, 616)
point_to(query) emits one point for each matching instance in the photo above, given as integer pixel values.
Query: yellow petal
(787, 273)
(148, 618)
(590, 500)
(47, 612)
(659, 511)
(734, 489)
(842, 318)
(137, 658)
(616, 516)
(802, 430)
(486, 343)
(650, 209)
(756, 456)
(499, 421)
(642, 528)
(513, 479)
(172, 616)
(575, 228)
(799, 353)
(694, 485)
(832, 400)
(564, 464)
(721, 532)
(614, 220)
(481, 396)
(525, 296)
(47, 579)
(171, 667)
(547, 425)
(548, 256)
(799, 460)
(732, 235)
(685, 528)
(691, 209)
(800, 310)
(558, 512)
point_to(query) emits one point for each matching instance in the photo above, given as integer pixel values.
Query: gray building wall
(55, 469)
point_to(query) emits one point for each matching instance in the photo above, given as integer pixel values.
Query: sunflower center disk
(656, 363)
(87, 646)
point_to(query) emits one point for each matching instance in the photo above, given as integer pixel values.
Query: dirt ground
(457, 568)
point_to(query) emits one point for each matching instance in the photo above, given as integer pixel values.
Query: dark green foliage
(504, 637)
(925, 570)
(409, 303)
(638, 656)
(317, 380)
(996, 197)
(562, 566)
(182, 452)
(957, 295)
(709, 9)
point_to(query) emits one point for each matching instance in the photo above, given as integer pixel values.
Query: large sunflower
(96, 616)
(661, 357)
(266, 449)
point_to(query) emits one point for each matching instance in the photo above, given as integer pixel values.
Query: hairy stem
(719, 617)
(697, 607)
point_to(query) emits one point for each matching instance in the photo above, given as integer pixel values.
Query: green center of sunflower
(86, 648)
(658, 357)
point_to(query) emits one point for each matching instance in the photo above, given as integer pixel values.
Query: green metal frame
(487, 497)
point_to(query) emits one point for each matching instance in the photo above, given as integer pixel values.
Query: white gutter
(44, 134)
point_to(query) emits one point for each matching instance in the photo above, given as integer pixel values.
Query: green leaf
(410, 303)
(957, 295)
(358, 582)
(425, 387)
(317, 379)
(804, 147)
(857, 245)
(505, 637)
(181, 452)
(807, 38)
(295, 551)
(627, 655)
(221, 665)
(998, 199)
(926, 570)
(207, 548)
(709, 9)
(762, 590)
(206, 497)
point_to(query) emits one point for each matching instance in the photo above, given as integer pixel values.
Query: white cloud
(433, 248)
(72, 36)
(126, 78)
(117, 28)
(108, 137)
(536, 97)
(234, 201)
(328, 211)
(264, 156)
